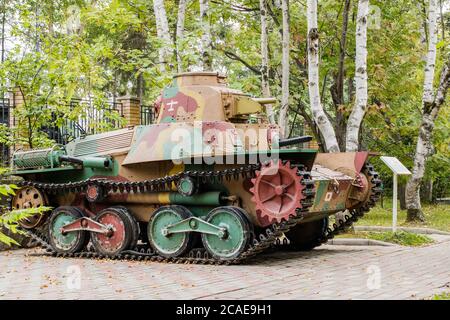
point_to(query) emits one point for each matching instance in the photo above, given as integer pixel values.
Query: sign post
(398, 169)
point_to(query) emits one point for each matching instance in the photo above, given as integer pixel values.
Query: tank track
(264, 240)
(353, 216)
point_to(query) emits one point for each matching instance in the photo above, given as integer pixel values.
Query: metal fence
(90, 120)
(79, 118)
(147, 115)
(5, 112)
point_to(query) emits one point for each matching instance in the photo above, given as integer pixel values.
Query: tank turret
(205, 96)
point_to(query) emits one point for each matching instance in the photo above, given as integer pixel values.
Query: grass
(436, 216)
(401, 237)
(441, 296)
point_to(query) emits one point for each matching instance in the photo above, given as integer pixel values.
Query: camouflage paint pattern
(201, 107)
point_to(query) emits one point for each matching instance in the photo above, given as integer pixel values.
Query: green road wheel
(172, 245)
(237, 235)
(72, 241)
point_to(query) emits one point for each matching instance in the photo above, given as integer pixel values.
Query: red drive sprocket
(277, 192)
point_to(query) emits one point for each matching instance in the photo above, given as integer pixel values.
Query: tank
(212, 181)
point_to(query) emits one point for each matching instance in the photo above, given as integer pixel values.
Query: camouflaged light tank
(211, 181)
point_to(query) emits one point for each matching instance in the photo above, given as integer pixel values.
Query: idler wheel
(277, 192)
(172, 244)
(121, 232)
(237, 233)
(69, 242)
(26, 198)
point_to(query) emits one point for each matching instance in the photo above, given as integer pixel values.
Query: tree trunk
(265, 58)
(283, 117)
(320, 118)
(442, 20)
(206, 35)
(427, 191)
(359, 110)
(337, 89)
(401, 194)
(431, 107)
(162, 31)
(180, 32)
(431, 55)
(3, 30)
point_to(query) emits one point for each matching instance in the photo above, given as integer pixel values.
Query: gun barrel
(265, 100)
(295, 140)
(89, 162)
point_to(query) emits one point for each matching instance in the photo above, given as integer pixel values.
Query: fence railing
(5, 116)
(91, 119)
(147, 115)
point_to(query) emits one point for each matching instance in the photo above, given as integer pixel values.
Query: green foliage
(401, 237)
(10, 220)
(436, 216)
(441, 296)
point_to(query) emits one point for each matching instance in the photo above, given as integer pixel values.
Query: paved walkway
(328, 272)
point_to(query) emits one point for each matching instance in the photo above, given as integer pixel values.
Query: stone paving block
(328, 272)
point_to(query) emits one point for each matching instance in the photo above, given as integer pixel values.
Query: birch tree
(359, 110)
(320, 118)
(3, 22)
(206, 36)
(431, 104)
(265, 58)
(180, 32)
(283, 117)
(162, 32)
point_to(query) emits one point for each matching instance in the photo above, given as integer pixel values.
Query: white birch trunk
(180, 32)
(206, 36)
(431, 55)
(265, 59)
(320, 118)
(359, 110)
(162, 31)
(431, 106)
(283, 117)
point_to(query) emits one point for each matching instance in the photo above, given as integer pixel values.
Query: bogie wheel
(169, 245)
(306, 236)
(121, 236)
(237, 235)
(70, 242)
(26, 198)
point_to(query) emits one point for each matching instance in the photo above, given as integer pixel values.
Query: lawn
(442, 296)
(437, 217)
(400, 237)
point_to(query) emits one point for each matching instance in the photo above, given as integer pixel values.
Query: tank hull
(332, 187)
(212, 174)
